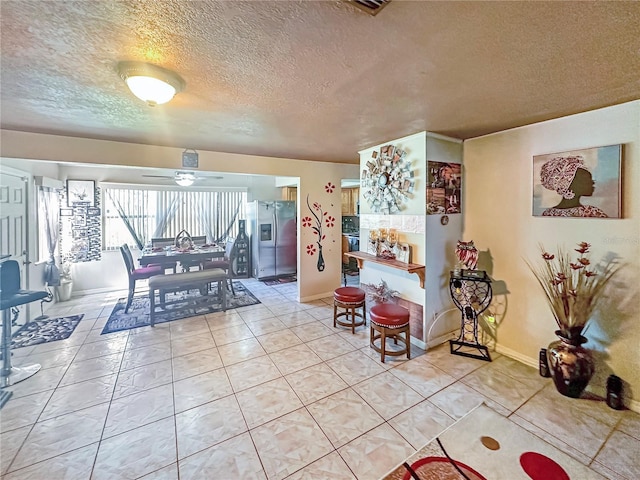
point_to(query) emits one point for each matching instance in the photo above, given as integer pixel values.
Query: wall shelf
(361, 257)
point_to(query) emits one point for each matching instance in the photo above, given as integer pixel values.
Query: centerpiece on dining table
(184, 241)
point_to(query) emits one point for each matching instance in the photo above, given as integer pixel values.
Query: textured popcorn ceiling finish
(314, 80)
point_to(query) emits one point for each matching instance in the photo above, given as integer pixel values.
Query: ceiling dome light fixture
(150, 83)
(184, 179)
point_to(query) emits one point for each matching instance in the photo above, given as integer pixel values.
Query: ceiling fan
(185, 179)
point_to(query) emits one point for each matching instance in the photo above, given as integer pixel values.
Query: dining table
(169, 255)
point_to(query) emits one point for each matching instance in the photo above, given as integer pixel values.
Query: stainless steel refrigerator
(273, 233)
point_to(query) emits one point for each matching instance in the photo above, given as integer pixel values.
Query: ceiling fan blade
(159, 176)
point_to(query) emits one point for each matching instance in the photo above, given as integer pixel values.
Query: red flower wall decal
(311, 249)
(306, 222)
(329, 187)
(329, 221)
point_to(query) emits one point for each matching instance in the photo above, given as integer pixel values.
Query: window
(151, 213)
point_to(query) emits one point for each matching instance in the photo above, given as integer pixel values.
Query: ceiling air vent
(372, 7)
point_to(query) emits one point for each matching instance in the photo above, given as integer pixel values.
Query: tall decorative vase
(571, 365)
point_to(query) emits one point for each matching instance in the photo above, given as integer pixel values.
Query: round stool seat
(389, 315)
(350, 299)
(349, 295)
(390, 321)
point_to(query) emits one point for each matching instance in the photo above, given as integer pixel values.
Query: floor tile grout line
(106, 418)
(456, 380)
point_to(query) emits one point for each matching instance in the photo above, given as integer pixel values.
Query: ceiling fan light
(185, 179)
(150, 83)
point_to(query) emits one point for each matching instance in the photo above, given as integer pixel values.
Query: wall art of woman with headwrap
(569, 177)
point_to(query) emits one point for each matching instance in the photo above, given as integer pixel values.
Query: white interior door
(13, 226)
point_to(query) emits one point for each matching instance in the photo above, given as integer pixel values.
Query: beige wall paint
(313, 178)
(497, 203)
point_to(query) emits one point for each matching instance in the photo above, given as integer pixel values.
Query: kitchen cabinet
(290, 193)
(350, 198)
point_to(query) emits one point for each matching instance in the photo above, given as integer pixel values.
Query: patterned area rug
(279, 281)
(485, 445)
(195, 304)
(43, 331)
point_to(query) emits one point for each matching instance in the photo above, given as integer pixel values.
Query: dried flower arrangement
(381, 293)
(573, 287)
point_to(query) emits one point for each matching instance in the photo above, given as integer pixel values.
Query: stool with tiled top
(390, 321)
(351, 299)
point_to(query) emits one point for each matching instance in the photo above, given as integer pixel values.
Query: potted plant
(63, 291)
(572, 289)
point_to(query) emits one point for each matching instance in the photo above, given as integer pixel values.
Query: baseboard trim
(434, 342)
(532, 362)
(316, 297)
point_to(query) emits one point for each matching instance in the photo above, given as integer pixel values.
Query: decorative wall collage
(80, 222)
(388, 181)
(444, 188)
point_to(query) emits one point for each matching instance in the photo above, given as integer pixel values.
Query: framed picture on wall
(444, 184)
(79, 221)
(79, 233)
(578, 183)
(81, 192)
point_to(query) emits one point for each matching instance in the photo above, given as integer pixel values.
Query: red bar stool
(390, 320)
(349, 298)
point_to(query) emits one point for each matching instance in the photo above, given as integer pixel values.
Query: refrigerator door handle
(275, 228)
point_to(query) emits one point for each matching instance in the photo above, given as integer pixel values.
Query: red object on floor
(541, 467)
(440, 468)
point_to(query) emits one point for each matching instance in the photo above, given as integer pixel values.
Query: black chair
(225, 263)
(11, 295)
(135, 274)
(348, 265)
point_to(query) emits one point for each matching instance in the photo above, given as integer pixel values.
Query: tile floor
(269, 391)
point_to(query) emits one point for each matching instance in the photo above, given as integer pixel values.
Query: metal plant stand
(471, 293)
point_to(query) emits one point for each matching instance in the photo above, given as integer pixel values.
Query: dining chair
(163, 242)
(225, 263)
(135, 274)
(346, 261)
(200, 240)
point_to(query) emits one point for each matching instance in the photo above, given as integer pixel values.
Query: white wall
(497, 202)
(409, 222)
(433, 244)
(441, 315)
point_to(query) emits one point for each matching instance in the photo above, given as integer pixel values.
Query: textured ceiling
(315, 80)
